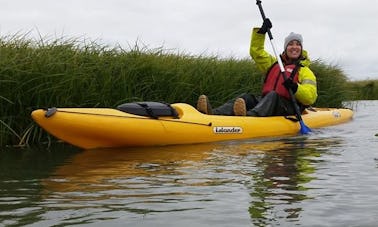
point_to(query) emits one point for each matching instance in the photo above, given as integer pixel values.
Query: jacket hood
(305, 61)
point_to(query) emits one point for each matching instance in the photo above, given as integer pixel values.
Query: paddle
(304, 128)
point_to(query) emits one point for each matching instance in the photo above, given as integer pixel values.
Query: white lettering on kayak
(336, 114)
(227, 130)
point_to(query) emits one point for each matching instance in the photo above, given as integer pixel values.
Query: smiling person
(275, 99)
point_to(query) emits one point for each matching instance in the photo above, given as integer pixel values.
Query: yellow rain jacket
(307, 91)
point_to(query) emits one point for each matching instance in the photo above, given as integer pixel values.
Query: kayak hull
(90, 128)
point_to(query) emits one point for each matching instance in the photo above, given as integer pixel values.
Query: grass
(364, 90)
(332, 85)
(81, 73)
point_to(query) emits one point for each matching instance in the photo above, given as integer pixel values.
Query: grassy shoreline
(72, 73)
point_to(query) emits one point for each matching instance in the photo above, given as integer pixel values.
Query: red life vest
(273, 80)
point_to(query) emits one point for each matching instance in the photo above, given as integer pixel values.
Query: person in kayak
(275, 99)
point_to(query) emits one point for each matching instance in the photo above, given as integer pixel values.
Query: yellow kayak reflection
(87, 170)
(271, 174)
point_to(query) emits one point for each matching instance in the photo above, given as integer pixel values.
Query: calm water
(329, 178)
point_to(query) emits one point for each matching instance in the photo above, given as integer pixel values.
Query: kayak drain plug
(50, 111)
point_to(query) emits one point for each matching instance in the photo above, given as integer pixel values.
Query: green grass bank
(363, 90)
(73, 73)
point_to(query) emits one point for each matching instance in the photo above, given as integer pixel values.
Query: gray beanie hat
(293, 36)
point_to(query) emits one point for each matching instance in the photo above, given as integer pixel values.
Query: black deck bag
(149, 109)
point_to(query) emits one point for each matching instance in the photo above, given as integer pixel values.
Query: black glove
(290, 84)
(265, 26)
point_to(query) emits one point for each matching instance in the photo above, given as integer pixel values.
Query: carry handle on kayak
(304, 128)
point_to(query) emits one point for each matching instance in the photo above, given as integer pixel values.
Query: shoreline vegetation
(74, 73)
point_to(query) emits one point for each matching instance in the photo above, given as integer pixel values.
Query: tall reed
(332, 84)
(364, 90)
(82, 73)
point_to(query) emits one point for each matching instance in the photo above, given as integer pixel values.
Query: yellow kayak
(90, 128)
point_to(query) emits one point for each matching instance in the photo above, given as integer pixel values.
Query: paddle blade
(304, 128)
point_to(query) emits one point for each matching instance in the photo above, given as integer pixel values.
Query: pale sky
(339, 32)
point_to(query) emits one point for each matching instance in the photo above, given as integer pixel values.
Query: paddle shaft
(282, 69)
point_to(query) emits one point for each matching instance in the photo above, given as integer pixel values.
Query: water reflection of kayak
(90, 128)
(89, 169)
(106, 169)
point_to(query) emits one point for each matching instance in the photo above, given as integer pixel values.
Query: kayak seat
(149, 109)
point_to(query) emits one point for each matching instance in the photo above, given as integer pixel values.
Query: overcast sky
(339, 32)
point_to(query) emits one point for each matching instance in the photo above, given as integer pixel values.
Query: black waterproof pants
(270, 105)
(228, 107)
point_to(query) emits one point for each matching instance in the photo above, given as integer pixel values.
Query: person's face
(294, 49)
